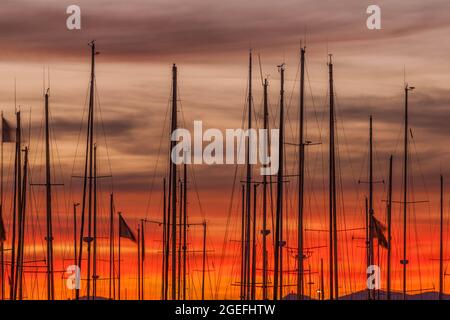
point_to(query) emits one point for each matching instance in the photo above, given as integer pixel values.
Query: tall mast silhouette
(170, 215)
(16, 205)
(332, 193)
(278, 256)
(441, 241)
(404, 261)
(173, 184)
(184, 228)
(204, 260)
(253, 287)
(248, 190)
(243, 251)
(112, 287)
(94, 227)
(371, 217)
(48, 187)
(87, 178)
(301, 181)
(389, 221)
(264, 231)
(18, 289)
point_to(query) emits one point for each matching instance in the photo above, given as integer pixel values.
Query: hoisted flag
(378, 232)
(8, 131)
(124, 230)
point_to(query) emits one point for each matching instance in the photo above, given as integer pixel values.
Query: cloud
(159, 29)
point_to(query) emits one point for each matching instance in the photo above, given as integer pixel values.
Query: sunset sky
(139, 40)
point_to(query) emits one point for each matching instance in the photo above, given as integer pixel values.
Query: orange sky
(209, 41)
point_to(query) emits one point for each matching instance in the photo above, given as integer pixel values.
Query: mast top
(330, 59)
(92, 45)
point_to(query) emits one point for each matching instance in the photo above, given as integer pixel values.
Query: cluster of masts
(85, 227)
(374, 229)
(175, 219)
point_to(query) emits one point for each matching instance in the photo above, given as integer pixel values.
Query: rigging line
(426, 192)
(230, 206)
(58, 160)
(97, 100)
(78, 140)
(157, 160)
(193, 171)
(320, 129)
(413, 222)
(260, 69)
(339, 161)
(288, 107)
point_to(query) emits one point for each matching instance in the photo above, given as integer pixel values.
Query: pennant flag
(378, 232)
(8, 131)
(124, 230)
(2, 230)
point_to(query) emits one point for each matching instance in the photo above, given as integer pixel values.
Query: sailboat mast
(48, 186)
(441, 242)
(371, 253)
(253, 287)
(204, 260)
(265, 232)
(22, 215)
(112, 291)
(119, 271)
(139, 261)
(389, 221)
(180, 239)
(322, 284)
(88, 175)
(94, 240)
(16, 206)
(332, 193)
(242, 282)
(85, 176)
(139, 271)
(174, 185)
(278, 268)
(248, 189)
(142, 258)
(301, 181)
(367, 241)
(75, 238)
(404, 262)
(164, 244)
(184, 228)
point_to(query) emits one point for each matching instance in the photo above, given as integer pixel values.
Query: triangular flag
(8, 131)
(378, 232)
(124, 230)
